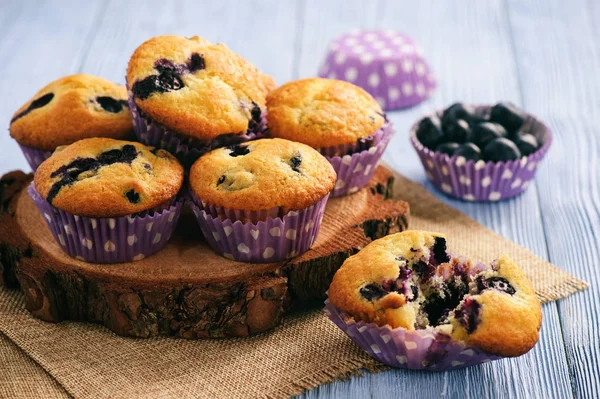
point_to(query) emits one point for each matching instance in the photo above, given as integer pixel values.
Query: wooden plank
(567, 96)
(457, 37)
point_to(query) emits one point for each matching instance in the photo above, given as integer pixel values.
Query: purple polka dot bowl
(266, 236)
(387, 64)
(482, 181)
(110, 240)
(398, 347)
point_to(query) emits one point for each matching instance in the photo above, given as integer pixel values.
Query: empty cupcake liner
(186, 149)
(387, 64)
(34, 156)
(483, 181)
(110, 240)
(355, 169)
(258, 237)
(397, 347)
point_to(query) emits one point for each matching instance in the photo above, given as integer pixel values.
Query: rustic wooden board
(185, 290)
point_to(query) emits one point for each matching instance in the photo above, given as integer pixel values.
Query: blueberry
(196, 62)
(256, 116)
(69, 173)
(459, 111)
(35, 104)
(508, 115)
(295, 162)
(423, 270)
(468, 314)
(415, 293)
(501, 150)
(527, 143)
(372, 292)
(221, 180)
(457, 130)
(429, 132)
(439, 250)
(110, 104)
(486, 132)
(447, 148)
(469, 151)
(132, 196)
(496, 283)
(238, 150)
(166, 81)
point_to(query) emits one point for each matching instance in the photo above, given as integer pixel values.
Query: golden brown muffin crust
(262, 174)
(219, 89)
(101, 177)
(74, 113)
(505, 323)
(322, 112)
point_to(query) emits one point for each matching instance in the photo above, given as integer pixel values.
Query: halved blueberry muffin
(188, 95)
(409, 281)
(261, 201)
(69, 109)
(109, 201)
(339, 119)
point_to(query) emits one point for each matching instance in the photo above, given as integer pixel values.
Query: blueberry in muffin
(337, 118)
(409, 280)
(67, 110)
(189, 92)
(101, 177)
(271, 188)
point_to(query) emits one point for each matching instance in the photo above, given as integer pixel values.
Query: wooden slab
(186, 289)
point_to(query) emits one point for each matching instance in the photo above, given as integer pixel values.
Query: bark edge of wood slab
(185, 290)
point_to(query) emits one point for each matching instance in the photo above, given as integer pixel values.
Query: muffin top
(195, 87)
(408, 280)
(72, 108)
(262, 174)
(322, 112)
(101, 177)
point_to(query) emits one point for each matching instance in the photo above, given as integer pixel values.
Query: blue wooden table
(543, 55)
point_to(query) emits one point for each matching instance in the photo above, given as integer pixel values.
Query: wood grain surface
(541, 54)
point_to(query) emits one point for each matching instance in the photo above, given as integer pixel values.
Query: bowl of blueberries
(481, 152)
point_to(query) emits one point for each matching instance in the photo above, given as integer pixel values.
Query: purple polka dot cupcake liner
(387, 64)
(479, 180)
(186, 149)
(259, 237)
(34, 156)
(355, 169)
(397, 347)
(110, 240)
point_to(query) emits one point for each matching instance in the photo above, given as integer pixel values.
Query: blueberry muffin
(69, 109)
(408, 280)
(101, 177)
(262, 200)
(481, 153)
(109, 201)
(339, 119)
(188, 92)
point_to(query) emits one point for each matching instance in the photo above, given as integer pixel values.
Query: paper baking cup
(110, 240)
(388, 65)
(397, 347)
(186, 149)
(355, 169)
(259, 237)
(34, 156)
(483, 181)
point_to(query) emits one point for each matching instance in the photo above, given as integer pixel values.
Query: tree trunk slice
(184, 290)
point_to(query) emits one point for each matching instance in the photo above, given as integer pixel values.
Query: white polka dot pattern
(110, 240)
(271, 238)
(417, 349)
(378, 62)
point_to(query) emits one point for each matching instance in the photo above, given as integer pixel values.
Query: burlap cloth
(88, 361)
